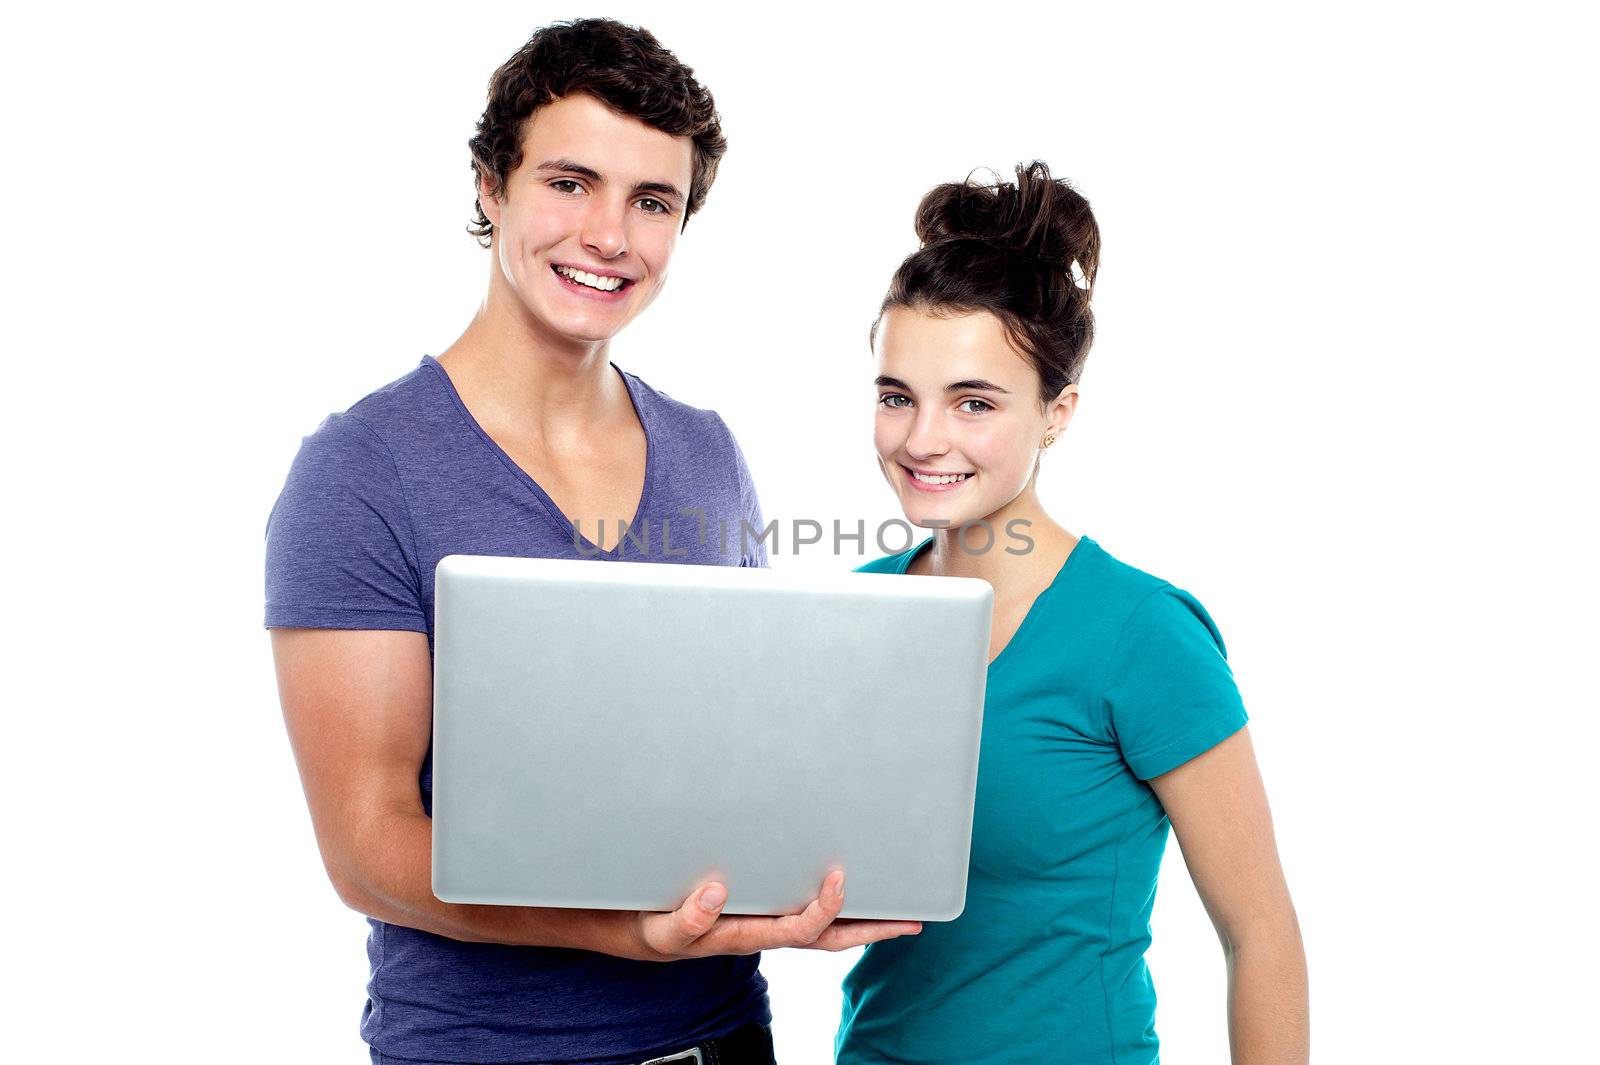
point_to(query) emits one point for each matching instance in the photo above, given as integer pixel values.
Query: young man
(520, 439)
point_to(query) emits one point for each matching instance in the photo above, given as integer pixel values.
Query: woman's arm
(1218, 810)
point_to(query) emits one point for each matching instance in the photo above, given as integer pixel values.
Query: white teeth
(942, 478)
(583, 277)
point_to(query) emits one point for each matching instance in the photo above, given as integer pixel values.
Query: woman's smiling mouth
(935, 481)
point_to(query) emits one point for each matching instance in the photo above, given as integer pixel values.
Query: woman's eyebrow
(972, 385)
(976, 385)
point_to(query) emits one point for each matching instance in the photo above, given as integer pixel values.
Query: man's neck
(510, 373)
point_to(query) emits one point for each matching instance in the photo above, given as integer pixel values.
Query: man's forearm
(389, 877)
(1268, 1000)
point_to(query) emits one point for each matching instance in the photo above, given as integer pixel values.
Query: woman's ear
(1060, 410)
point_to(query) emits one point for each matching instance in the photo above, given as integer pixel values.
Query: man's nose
(605, 229)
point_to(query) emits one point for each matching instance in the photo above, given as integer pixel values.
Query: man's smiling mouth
(598, 282)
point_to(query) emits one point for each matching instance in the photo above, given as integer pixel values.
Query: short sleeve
(1168, 688)
(749, 511)
(340, 550)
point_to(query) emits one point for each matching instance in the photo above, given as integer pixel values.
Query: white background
(1342, 393)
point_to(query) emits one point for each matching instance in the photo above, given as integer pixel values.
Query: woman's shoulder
(1130, 599)
(891, 563)
(1103, 582)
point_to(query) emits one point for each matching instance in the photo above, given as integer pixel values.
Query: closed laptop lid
(613, 734)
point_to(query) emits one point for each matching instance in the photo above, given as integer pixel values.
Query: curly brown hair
(1026, 252)
(624, 67)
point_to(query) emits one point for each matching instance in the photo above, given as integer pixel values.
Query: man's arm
(358, 705)
(1218, 809)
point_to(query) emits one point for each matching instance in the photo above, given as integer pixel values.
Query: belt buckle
(691, 1055)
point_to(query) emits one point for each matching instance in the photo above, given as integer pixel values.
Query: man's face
(585, 226)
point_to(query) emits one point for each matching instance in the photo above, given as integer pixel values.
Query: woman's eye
(893, 400)
(973, 406)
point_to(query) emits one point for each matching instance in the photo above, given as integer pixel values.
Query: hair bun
(1039, 218)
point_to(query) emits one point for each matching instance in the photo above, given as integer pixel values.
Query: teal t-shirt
(1114, 677)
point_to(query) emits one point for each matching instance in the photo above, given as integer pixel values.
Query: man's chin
(583, 331)
(591, 336)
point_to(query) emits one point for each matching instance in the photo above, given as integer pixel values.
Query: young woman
(1110, 710)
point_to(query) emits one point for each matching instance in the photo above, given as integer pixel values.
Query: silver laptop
(613, 734)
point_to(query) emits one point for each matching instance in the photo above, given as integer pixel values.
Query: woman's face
(959, 424)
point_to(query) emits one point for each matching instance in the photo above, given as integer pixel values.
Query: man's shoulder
(398, 403)
(384, 418)
(678, 419)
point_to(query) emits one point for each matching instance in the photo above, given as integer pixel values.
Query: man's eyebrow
(568, 166)
(974, 385)
(660, 188)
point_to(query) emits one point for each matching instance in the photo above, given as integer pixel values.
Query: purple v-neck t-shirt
(376, 496)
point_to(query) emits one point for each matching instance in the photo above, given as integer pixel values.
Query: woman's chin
(935, 518)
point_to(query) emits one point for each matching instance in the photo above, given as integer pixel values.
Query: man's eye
(893, 400)
(980, 405)
(566, 185)
(653, 206)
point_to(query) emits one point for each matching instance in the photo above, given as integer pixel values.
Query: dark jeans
(748, 1045)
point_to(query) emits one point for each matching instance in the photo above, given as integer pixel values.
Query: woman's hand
(697, 929)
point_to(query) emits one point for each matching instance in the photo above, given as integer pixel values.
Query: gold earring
(1049, 438)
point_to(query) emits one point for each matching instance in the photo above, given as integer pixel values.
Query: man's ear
(1061, 409)
(489, 205)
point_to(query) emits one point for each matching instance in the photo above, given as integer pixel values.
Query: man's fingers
(842, 935)
(672, 933)
(803, 928)
(697, 927)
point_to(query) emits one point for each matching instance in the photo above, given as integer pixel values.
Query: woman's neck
(1028, 547)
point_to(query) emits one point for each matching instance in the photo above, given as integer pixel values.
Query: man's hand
(358, 705)
(697, 929)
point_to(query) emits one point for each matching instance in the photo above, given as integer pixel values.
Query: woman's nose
(927, 435)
